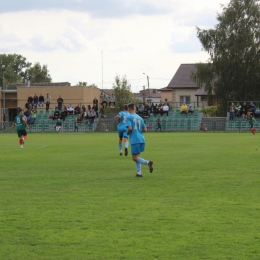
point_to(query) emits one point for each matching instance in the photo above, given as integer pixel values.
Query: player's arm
(24, 122)
(254, 119)
(118, 118)
(145, 129)
(129, 130)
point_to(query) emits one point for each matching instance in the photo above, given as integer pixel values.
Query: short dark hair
(20, 110)
(131, 106)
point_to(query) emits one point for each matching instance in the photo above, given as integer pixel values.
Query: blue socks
(142, 161)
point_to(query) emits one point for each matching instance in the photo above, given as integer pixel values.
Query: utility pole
(149, 93)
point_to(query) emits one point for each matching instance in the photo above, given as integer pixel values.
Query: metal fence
(110, 125)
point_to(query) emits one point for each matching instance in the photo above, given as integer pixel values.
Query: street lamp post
(149, 93)
(3, 90)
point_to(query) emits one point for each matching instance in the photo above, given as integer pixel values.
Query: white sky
(136, 37)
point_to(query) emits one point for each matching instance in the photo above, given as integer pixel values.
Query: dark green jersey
(250, 119)
(19, 122)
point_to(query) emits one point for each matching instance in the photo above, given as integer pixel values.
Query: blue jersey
(122, 124)
(137, 124)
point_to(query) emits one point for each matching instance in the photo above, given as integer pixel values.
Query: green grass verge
(71, 196)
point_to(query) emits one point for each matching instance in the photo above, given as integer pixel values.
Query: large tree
(233, 69)
(122, 90)
(19, 70)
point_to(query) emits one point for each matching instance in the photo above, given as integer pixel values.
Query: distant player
(250, 119)
(121, 129)
(136, 127)
(20, 123)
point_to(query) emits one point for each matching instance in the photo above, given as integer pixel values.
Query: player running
(136, 126)
(121, 129)
(251, 121)
(20, 124)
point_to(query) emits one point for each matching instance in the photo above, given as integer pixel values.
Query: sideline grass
(71, 196)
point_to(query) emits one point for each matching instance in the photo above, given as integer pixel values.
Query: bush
(209, 111)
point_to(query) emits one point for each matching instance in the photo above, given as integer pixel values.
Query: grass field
(71, 196)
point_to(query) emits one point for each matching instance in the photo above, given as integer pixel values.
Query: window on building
(203, 98)
(185, 99)
(154, 91)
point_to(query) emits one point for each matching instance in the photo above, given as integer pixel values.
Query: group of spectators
(161, 108)
(30, 114)
(38, 101)
(107, 100)
(240, 111)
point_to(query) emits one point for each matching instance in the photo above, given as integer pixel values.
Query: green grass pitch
(71, 196)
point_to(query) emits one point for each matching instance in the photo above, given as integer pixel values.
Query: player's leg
(137, 165)
(20, 136)
(120, 145)
(126, 143)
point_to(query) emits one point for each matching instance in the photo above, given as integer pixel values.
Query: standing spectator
(35, 100)
(252, 107)
(56, 114)
(243, 111)
(159, 123)
(96, 109)
(112, 101)
(237, 109)
(20, 124)
(190, 109)
(165, 109)
(95, 101)
(135, 128)
(60, 102)
(184, 109)
(153, 109)
(48, 101)
(76, 125)
(231, 111)
(41, 100)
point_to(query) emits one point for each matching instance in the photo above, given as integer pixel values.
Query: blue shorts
(137, 148)
(122, 133)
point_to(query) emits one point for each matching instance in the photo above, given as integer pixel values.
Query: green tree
(122, 90)
(15, 66)
(38, 73)
(82, 83)
(18, 69)
(233, 69)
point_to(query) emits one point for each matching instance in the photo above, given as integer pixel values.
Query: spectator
(96, 109)
(29, 117)
(77, 110)
(60, 102)
(76, 125)
(79, 119)
(63, 114)
(243, 111)
(30, 100)
(65, 110)
(35, 101)
(165, 109)
(56, 114)
(237, 110)
(159, 123)
(41, 101)
(190, 109)
(204, 128)
(92, 116)
(184, 109)
(58, 125)
(48, 101)
(95, 101)
(70, 109)
(84, 108)
(153, 109)
(252, 107)
(257, 112)
(112, 101)
(231, 111)
(104, 100)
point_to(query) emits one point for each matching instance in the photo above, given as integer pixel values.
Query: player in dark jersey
(251, 120)
(20, 123)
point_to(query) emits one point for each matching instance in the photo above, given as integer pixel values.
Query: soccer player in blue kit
(122, 129)
(136, 126)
